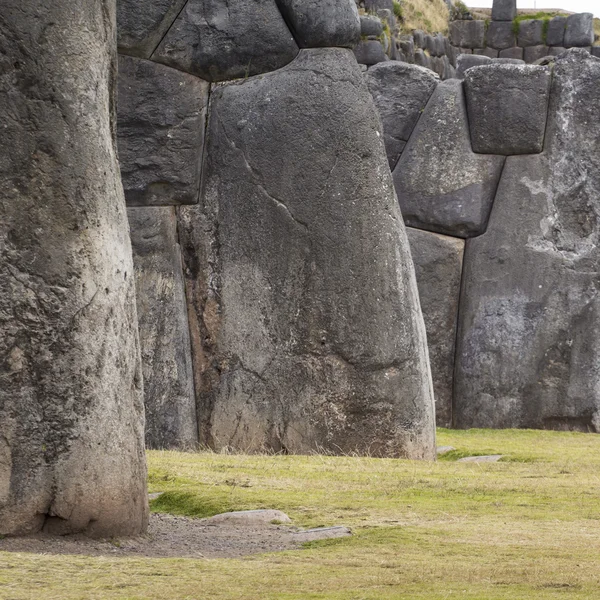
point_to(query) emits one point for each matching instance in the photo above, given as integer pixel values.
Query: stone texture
(580, 30)
(442, 185)
(489, 52)
(370, 25)
(419, 37)
(142, 25)
(556, 51)
(71, 411)
(504, 10)
(171, 421)
(322, 533)
(421, 59)
(161, 119)
(532, 54)
(555, 36)
(322, 23)
(529, 333)
(515, 52)
(507, 106)
(468, 34)
(370, 52)
(531, 32)
(508, 61)
(400, 92)
(438, 267)
(307, 332)
(466, 61)
(489, 458)
(219, 40)
(596, 51)
(500, 35)
(263, 516)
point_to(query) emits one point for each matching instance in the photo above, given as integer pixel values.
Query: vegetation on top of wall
(429, 15)
(398, 9)
(541, 16)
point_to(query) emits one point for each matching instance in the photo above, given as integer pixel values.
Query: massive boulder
(438, 267)
(164, 331)
(579, 30)
(442, 185)
(529, 336)
(507, 106)
(142, 25)
(400, 92)
(219, 40)
(322, 23)
(71, 411)
(305, 323)
(160, 127)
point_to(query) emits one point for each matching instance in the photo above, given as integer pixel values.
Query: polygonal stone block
(531, 32)
(504, 10)
(555, 36)
(580, 30)
(468, 34)
(501, 35)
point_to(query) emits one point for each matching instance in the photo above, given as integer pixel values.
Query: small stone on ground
(481, 459)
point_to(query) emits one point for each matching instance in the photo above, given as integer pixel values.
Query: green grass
(524, 528)
(542, 16)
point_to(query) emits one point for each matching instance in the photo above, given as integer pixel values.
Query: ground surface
(527, 527)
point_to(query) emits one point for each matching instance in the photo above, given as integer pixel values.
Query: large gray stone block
(400, 92)
(322, 23)
(532, 54)
(71, 410)
(555, 36)
(489, 52)
(219, 40)
(529, 333)
(142, 25)
(169, 399)
(507, 107)
(442, 185)
(370, 52)
(515, 52)
(160, 127)
(466, 61)
(438, 267)
(307, 332)
(501, 35)
(596, 51)
(531, 32)
(504, 10)
(579, 30)
(468, 34)
(371, 25)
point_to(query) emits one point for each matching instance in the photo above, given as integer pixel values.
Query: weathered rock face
(468, 34)
(142, 25)
(504, 10)
(529, 339)
(555, 36)
(322, 23)
(164, 332)
(466, 61)
(438, 267)
(531, 32)
(442, 185)
(161, 117)
(507, 106)
(306, 327)
(500, 35)
(580, 30)
(400, 92)
(370, 52)
(227, 39)
(71, 413)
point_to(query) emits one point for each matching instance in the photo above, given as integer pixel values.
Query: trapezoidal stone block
(438, 267)
(219, 40)
(579, 31)
(442, 185)
(306, 327)
(468, 34)
(528, 350)
(322, 23)
(142, 25)
(531, 33)
(161, 117)
(71, 410)
(169, 398)
(555, 36)
(508, 107)
(504, 10)
(400, 92)
(501, 35)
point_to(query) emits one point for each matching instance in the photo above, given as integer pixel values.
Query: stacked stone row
(498, 178)
(277, 302)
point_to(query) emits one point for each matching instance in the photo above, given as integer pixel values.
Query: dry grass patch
(428, 15)
(528, 527)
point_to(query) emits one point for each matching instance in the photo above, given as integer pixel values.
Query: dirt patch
(178, 537)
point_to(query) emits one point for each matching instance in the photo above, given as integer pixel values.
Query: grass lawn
(524, 528)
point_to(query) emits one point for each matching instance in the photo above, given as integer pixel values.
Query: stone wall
(276, 294)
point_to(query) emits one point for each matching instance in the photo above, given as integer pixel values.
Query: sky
(592, 6)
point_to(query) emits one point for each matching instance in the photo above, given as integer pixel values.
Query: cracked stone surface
(438, 266)
(142, 25)
(529, 334)
(442, 185)
(400, 92)
(71, 413)
(164, 331)
(219, 40)
(161, 116)
(306, 328)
